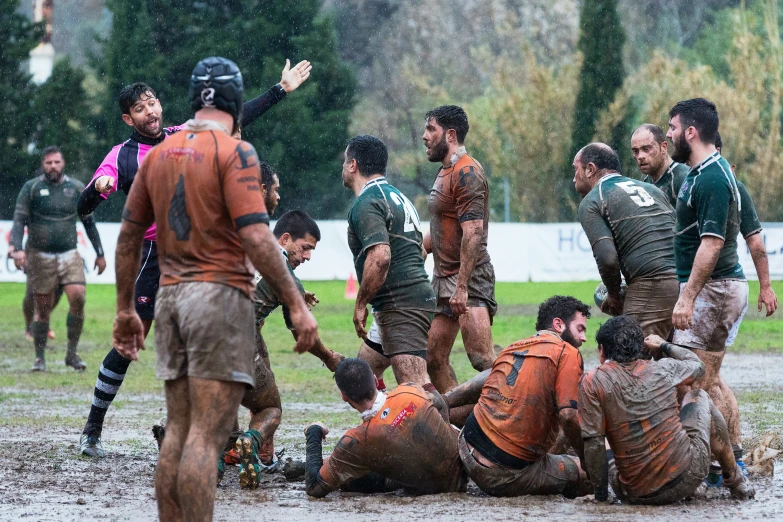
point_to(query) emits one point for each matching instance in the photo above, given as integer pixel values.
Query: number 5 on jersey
(638, 195)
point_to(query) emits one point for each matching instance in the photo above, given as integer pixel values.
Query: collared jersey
(406, 441)
(708, 205)
(530, 382)
(749, 222)
(200, 186)
(638, 218)
(50, 210)
(266, 299)
(635, 406)
(382, 215)
(671, 181)
(460, 194)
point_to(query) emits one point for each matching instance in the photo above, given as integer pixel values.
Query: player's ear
(285, 238)
(345, 399)
(558, 325)
(665, 146)
(127, 119)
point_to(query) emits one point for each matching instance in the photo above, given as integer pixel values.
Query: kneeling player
(402, 441)
(661, 451)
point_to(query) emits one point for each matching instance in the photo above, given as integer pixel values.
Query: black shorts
(147, 281)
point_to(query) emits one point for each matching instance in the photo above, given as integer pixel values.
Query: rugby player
(713, 290)
(402, 441)
(629, 224)
(384, 235)
(203, 190)
(520, 406)
(651, 152)
(47, 206)
(464, 279)
(142, 110)
(661, 451)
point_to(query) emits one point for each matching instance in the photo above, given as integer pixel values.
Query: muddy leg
(733, 421)
(378, 363)
(441, 338)
(167, 471)
(477, 337)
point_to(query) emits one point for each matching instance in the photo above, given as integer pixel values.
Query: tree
(160, 43)
(18, 36)
(601, 40)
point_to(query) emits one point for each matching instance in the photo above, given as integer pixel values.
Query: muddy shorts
(373, 339)
(552, 475)
(717, 314)
(481, 290)
(404, 332)
(204, 330)
(651, 302)
(696, 421)
(47, 270)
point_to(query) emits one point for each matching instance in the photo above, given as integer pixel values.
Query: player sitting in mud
(520, 405)
(403, 442)
(661, 452)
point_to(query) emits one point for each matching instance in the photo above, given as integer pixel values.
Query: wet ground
(42, 478)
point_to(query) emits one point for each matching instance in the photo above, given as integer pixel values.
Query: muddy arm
(468, 392)
(597, 466)
(316, 487)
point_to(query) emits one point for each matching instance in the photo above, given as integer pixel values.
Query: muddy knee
(480, 361)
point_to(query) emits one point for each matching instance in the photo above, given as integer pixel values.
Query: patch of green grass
(762, 408)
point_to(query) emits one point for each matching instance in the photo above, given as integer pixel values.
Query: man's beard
(439, 151)
(271, 206)
(682, 150)
(145, 130)
(54, 176)
(567, 337)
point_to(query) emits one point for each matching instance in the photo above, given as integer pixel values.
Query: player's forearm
(89, 200)
(758, 252)
(608, 263)
(127, 263)
(703, 265)
(427, 243)
(376, 268)
(470, 249)
(597, 466)
(683, 354)
(569, 421)
(253, 109)
(468, 392)
(17, 230)
(92, 234)
(313, 463)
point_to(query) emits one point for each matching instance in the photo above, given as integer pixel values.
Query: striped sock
(110, 379)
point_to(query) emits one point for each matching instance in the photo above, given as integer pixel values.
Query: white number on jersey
(411, 216)
(638, 195)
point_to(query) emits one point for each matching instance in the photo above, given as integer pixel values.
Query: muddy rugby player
(47, 206)
(650, 149)
(142, 110)
(464, 279)
(202, 188)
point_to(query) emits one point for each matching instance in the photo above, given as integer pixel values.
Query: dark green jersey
(266, 300)
(708, 205)
(638, 218)
(49, 211)
(671, 181)
(749, 222)
(382, 215)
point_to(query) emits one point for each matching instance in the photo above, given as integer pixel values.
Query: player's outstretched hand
(768, 298)
(653, 344)
(334, 360)
(310, 299)
(104, 184)
(323, 428)
(459, 301)
(306, 328)
(20, 259)
(100, 264)
(360, 320)
(128, 334)
(293, 78)
(682, 317)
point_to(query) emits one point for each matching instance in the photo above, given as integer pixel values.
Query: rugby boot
(714, 478)
(90, 444)
(742, 466)
(39, 365)
(249, 464)
(75, 362)
(740, 487)
(231, 457)
(275, 463)
(221, 470)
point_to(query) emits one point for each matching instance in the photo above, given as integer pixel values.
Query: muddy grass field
(42, 477)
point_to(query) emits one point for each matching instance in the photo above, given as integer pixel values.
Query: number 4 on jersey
(638, 195)
(411, 216)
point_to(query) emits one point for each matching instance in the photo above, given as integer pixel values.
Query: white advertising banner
(520, 252)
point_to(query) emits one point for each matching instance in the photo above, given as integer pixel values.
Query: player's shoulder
(680, 170)
(467, 166)
(75, 183)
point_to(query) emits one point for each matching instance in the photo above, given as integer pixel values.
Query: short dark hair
(657, 133)
(130, 94)
(450, 117)
(621, 338)
(563, 306)
(354, 378)
(699, 113)
(51, 149)
(718, 142)
(267, 174)
(370, 153)
(298, 224)
(601, 155)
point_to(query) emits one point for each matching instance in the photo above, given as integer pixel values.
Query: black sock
(39, 331)
(110, 378)
(75, 324)
(737, 449)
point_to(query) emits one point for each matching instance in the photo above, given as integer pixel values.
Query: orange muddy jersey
(460, 194)
(635, 406)
(406, 441)
(200, 186)
(530, 382)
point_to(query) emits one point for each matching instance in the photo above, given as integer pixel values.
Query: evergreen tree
(303, 137)
(601, 39)
(18, 36)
